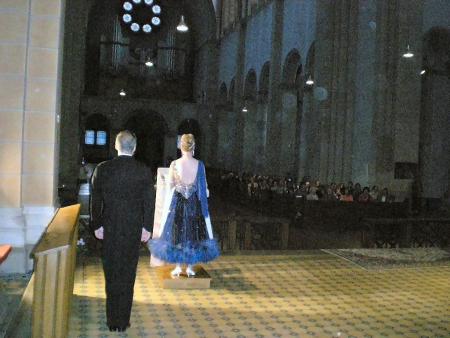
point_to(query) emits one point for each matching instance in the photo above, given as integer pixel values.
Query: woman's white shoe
(189, 271)
(176, 272)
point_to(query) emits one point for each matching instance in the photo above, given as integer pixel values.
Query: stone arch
(264, 80)
(95, 138)
(232, 91)
(310, 61)
(96, 121)
(223, 94)
(291, 64)
(150, 129)
(250, 86)
(308, 164)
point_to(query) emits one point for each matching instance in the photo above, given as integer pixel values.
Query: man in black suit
(122, 207)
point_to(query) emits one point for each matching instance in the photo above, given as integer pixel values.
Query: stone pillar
(170, 145)
(363, 140)
(398, 92)
(322, 78)
(335, 74)
(250, 119)
(435, 161)
(73, 84)
(261, 136)
(30, 71)
(238, 101)
(309, 147)
(226, 125)
(289, 137)
(206, 81)
(221, 135)
(273, 145)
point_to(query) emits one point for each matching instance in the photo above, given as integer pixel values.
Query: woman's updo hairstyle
(187, 142)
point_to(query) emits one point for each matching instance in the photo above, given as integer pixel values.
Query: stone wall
(361, 120)
(77, 105)
(30, 80)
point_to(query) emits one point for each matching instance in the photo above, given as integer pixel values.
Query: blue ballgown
(185, 238)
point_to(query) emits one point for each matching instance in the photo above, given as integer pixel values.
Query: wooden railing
(54, 266)
(406, 232)
(245, 232)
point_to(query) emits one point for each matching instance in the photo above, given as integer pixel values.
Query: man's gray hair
(126, 141)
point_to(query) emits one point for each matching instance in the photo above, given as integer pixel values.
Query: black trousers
(120, 275)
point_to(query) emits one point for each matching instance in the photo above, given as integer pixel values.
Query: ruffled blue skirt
(185, 238)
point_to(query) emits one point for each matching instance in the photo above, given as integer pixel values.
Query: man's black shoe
(122, 329)
(113, 328)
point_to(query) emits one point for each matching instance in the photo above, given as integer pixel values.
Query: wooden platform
(201, 280)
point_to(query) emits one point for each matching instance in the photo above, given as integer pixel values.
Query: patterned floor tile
(305, 295)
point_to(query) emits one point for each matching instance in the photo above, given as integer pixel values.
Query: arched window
(97, 131)
(231, 92)
(223, 94)
(290, 68)
(95, 142)
(250, 86)
(264, 83)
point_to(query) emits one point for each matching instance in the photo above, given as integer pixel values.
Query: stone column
(30, 78)
(435, 160)
(225, 124)
(261, 136)
(363, 140)
(170, 146)
(397, 99)
(219, 110)
(205, 84)
(335, 73)
(238, 100)
(309, 147)
(322, 78)
(73, 84)
(250, 136)
(290, 127)
(273, 145)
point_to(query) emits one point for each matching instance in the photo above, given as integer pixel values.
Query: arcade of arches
(286, 87)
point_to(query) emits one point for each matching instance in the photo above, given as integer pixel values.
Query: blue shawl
(202, 189)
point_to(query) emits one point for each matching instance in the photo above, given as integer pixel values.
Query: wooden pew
(54, 267)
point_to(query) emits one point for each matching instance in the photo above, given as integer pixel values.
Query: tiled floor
(12, 287)
(299, 295)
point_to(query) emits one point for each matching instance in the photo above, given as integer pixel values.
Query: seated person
(383, 197)
(374, 193)
(365, 195)
(312, 194)
(346, 195)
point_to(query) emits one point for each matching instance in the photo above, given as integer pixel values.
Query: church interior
(323, 129)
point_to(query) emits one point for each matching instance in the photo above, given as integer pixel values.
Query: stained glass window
(89, 137)
(101, 138)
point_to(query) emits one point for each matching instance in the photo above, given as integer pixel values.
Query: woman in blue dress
(186, 236)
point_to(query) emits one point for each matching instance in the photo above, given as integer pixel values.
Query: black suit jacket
(122, 197)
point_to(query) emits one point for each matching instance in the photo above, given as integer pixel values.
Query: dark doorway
(150, 129)
(191, 126)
